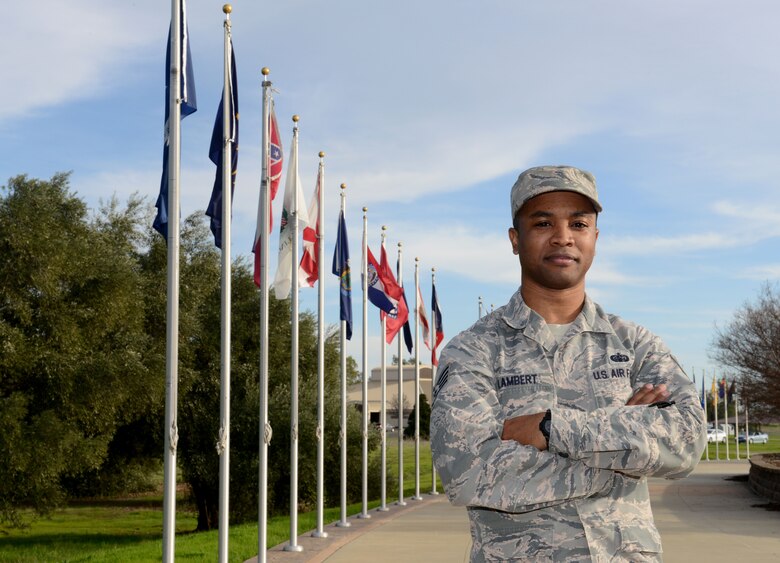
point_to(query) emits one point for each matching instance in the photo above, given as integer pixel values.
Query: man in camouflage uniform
(549, 414)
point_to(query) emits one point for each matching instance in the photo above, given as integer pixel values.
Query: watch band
(545, 424)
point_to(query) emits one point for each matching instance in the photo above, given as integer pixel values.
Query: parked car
(754, 438)
(714, 435)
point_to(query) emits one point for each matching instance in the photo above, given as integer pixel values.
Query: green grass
(130, 530)
(772, 446)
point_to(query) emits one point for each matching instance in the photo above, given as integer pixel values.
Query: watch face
(547, 426)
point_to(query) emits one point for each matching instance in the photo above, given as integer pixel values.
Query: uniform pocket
(639, 543)
(524, 394)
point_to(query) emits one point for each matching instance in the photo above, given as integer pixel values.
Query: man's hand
(525, 430)
(649, 394)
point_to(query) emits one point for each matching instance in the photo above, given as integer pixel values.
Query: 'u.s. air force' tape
(441, 381)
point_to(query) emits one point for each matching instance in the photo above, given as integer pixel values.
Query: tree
(750, 344)
(72, 339)
(425, 419)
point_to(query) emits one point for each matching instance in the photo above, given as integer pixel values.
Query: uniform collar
(520, 316)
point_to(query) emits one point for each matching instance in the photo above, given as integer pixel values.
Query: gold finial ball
(227, 8)
(400, 244)
(433, 269)
(343, 186)
(365, 209)
(265, 70)
(416, 259)
(322, 154)
(296, 118)
(384, 227)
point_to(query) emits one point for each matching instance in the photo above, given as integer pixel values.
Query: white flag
(308, 271)
(283, 278)
(426, 327)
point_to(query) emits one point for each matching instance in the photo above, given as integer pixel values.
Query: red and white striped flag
(274, 176)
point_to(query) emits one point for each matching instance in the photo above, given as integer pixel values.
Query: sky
(428, 111)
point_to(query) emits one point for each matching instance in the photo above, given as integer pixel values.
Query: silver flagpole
(747, 433)
(293, 545)
(320, 229)
(265, 426)
(736, 424)
(223, 443)
(172, 326)
(704, 399)
(383, 407)
(717, 442)
(343, 523)
(433, 371)
(364, 282)
(480, 308)
(400, 428)
(417, 380)
(726, 417)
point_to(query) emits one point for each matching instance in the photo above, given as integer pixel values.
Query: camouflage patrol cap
(543, 179)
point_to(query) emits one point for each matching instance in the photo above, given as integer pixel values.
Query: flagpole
(417, 380)
(747, 433)
(172, 325)
(293, 545)
(265, 427)
(736, 424)
(383, 407)
(726, 415)
(223, 443)
(343, 523)
(480, 307)
(400, 428)
(433, 372)
(320, 230)
(704, 400)
(364, 282)
(717, 442)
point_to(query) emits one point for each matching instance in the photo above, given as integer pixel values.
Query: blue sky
(428, 111)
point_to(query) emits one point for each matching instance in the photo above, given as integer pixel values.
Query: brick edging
(764, 477)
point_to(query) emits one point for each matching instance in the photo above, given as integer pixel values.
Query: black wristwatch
(544, 426)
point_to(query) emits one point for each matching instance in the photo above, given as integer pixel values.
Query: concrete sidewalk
(709, 517)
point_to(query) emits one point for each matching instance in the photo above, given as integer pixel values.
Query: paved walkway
(707, 517)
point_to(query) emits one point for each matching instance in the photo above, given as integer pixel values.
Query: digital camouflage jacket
(586, 499)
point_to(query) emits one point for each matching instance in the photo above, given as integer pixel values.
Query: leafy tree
(425, 419)
(750, 344)
(72, 339)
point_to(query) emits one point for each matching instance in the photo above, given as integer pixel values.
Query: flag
(341, 269)
(189, 104)
(407, 329)
(394, 322)
(423, 320)
(732, 390)
(309, 268)
(714, 391)
(290, 213)
(214, 210)
(721, 388)
(702, 392)
(439, 329)
(276, 159)
(382, 292)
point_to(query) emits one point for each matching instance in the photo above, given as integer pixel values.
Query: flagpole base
(343, 524)
(296, 548)
(317, 534)
(364, 515)
(401, 503)
(433, 493)
(417, 497)
(382, 509)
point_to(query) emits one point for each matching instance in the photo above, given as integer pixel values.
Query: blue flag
(214, 210)
(341, 269)
(702, 392)
(439, 336)
(189, 105)
(407, 329)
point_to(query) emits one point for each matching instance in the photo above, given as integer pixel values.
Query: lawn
(130, 530)
(718, 451)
